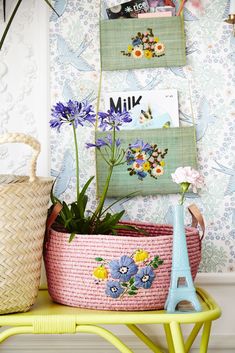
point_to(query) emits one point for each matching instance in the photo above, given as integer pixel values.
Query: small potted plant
(92, 258)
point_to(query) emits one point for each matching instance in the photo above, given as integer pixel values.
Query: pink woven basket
(84, 273)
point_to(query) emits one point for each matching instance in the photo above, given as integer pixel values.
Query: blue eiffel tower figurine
(182, 287)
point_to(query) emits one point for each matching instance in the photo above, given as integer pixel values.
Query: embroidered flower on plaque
(144, 159)
(146, 41)
(130, 48)
(128, 274)
(137, 53)
(159, 49)
(148, 54)
(158, 171)
(144, 278)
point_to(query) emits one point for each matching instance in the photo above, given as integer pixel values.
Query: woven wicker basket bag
(23, 211)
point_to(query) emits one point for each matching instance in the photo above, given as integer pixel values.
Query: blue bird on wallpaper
(135, 85)
(63, 176)
(188, 15)
(66, 55)
(59, 6)
(228, 171)
(69, 94)
(205, 117)
(226, 10)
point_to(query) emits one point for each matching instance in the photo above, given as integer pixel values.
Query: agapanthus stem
(100, 206)
(77, 160)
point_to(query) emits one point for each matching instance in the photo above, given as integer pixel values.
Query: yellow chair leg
(15, 331)
(149, 343)
(192, 336)
(170, 344)
(177, 337)
(107, 335)
(205, 337)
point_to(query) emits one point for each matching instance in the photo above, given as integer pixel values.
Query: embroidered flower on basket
(145, 45)
(144, 159)
(128, 274)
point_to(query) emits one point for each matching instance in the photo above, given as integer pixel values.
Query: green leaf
(49, 4)
(134, 288)
(82, 199)
(132, 292)
(132, 280)
(9, 23)
(128, 196)
(99, 259)
(123, 284)
(72, 236)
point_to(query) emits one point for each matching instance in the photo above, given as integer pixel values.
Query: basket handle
(28, 140)
(54, 213)
(197, 218)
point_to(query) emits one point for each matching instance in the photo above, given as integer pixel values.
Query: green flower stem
(184, 188)
(77, 160)
(99, 208)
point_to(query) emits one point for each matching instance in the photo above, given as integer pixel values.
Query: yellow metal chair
(47, 317)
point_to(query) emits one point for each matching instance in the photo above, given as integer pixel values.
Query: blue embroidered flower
(123, 269)
(144, 277)
(141, 174)
(140, 145)
(113, 289)
(136, 41)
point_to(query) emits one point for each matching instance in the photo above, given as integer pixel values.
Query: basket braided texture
(70, 266)
(23, 211)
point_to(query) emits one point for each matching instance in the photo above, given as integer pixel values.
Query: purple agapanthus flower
(113, 119)
(98, 144)
(123, 269)
(73, 112)
(106, 141)
(113, 289)
(144, 277)
(140, 144)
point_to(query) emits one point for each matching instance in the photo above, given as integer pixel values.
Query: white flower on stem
(186, 177)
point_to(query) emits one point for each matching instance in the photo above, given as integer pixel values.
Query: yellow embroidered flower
(162, 163)
(156, 39)
(148, 54)
(141, 255)
(129, 48)
(146, 166)
(100, 272)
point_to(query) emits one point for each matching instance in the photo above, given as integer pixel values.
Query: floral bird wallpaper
(206, 87)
